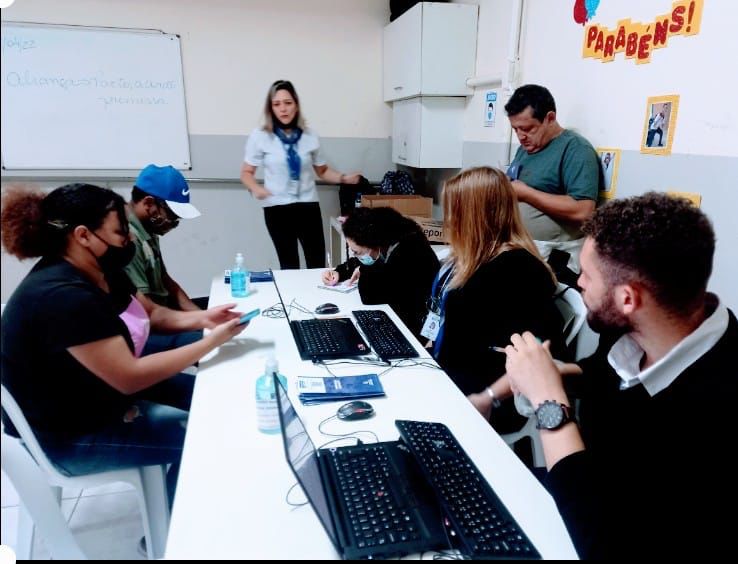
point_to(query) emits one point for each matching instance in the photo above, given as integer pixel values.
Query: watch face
(549, 415)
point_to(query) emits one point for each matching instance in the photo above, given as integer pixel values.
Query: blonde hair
(481, 220)
(269, 114)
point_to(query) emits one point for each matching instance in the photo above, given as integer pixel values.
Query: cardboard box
(433, 228)
(414, 205)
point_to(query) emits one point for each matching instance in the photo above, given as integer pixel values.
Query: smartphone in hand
(249, 316)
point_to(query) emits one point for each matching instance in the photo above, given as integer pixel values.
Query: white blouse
(266, 150)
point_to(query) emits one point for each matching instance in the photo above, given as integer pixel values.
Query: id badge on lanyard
(432, 324)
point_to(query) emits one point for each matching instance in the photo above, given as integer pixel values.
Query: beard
(606, 317)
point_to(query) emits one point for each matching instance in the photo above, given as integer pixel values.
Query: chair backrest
(571, 305)
(14, 413)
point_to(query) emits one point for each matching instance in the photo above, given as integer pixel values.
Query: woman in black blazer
(494, 284)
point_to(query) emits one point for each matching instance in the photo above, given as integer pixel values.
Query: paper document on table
(343, 287)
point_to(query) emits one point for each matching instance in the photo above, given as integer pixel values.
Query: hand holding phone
(249, 316)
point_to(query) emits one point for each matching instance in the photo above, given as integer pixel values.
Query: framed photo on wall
(658, 127)
(610, 163)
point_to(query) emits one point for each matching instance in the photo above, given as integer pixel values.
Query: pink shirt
(137, 321)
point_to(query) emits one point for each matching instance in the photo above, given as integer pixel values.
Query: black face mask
(115, 258)
(159, 225)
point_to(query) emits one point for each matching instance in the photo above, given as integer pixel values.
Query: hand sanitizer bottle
(239, 279)
(267, 414)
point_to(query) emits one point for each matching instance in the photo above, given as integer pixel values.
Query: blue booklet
(319, 389)
(261, 276)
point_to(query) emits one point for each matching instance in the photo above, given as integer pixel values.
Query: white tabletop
(230, 500)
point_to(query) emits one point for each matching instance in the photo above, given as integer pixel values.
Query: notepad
(320, 389)
(343, 287)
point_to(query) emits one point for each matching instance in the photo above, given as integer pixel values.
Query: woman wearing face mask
(290, 154)
(393, 263)
(74, 329)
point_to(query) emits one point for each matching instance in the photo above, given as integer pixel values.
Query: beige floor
(105, 520)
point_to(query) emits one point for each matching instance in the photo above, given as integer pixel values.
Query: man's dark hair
(664, 243)
(379, 227)
(533, 95)
(137, 194)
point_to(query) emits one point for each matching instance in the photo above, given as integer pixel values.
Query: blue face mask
(366, 259)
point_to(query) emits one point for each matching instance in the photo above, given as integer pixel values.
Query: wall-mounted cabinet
(430, 50)
(427, 131)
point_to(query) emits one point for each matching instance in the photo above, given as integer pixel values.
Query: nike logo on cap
(185, 192)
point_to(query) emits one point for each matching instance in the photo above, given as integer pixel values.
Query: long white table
(230, 500)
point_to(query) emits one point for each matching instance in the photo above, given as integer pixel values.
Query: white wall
(232, 50)
(606, 102)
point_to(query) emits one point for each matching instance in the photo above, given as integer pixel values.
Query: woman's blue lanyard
(438, 299)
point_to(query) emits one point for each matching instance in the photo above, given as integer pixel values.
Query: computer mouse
(325, 309)
(354, 410)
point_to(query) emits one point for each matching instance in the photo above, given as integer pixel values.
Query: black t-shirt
(55, 307)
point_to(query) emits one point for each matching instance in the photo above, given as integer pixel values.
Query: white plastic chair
(39, 485)
(571, 306)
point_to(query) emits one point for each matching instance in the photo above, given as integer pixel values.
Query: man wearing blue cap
(159, 199)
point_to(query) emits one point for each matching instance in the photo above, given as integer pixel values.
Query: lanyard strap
(438, 297)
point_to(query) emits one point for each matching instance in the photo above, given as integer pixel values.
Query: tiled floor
(105, 520)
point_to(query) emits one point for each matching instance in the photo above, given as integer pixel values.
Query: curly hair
(379, 227)
(35, 224)
(664, 243)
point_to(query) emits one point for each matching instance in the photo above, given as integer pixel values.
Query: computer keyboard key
(482, 523)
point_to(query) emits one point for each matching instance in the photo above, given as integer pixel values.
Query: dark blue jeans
(155, 436)
(158, 342)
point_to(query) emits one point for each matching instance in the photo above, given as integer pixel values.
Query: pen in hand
(557, 362)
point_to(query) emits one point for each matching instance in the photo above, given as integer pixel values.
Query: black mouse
(326, 309)
(354, 410)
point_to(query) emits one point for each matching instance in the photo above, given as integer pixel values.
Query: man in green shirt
(159, 199)
(556, 172)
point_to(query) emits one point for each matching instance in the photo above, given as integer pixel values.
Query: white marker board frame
(90, 98)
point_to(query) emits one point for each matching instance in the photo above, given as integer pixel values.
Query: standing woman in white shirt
(289, 153)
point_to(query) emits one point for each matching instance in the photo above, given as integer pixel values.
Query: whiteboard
(91, 98)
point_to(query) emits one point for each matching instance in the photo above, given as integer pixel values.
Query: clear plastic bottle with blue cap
(267, 411)
(239, 278)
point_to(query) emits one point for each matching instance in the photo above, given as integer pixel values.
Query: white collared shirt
(625, 355)
(264, 149)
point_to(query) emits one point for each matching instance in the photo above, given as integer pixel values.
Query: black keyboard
(328, 338)
(383, 335)
(375, 512)
(481, 521)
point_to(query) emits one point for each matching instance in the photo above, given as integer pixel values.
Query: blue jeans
(158, 342)
(156, 436)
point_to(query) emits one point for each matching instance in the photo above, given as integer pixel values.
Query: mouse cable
(344, 435)
(293, 503)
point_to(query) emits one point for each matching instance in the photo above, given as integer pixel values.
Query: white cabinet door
(427, 131)
(430, 50)
(401, 55)
(406, 130)
(448, 49)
